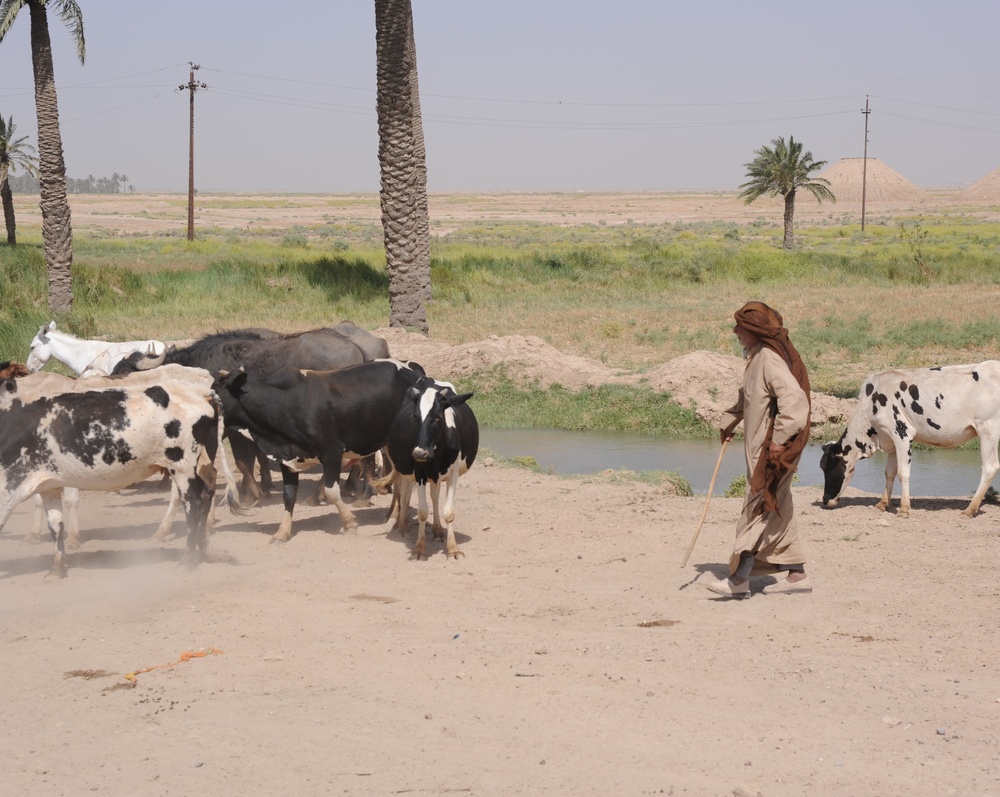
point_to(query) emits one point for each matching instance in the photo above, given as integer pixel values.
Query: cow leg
(289, 491)
(903, 461)
(52, 501)
(331, 492)
(70, 500)
(890, 477)
(450, 489)
(437, 529)
(266, 482)
(197, 495)
(37, 520)
(988, 441)
(400, 508)
(420, 546)
(71, 519)
(163, 531)
(244, 455)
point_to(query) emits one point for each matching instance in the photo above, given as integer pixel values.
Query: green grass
(905, 292)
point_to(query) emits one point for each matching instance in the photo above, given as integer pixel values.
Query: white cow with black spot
(944, 406)
(107, 440)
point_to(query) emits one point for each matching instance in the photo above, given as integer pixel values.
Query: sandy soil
(566, 653)
(149, 214)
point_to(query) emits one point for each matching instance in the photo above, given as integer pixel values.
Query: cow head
(437, 419)
(833, 463)
(838, 461)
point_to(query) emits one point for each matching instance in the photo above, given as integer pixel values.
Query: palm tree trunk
(789, 214)
(420, 156)
(404, 215)
(57, 231)
(7, 197)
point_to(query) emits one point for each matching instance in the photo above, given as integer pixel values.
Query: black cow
(434, 438)
(261, 352)
(300, 415)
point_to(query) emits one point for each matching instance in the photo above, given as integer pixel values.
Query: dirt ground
(150, 214)
(566, 653)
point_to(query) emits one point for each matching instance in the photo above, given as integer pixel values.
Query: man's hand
(775, 450)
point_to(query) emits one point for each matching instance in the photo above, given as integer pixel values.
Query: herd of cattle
(335, 398)
(328, 396)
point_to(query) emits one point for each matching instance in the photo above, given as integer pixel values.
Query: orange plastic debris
(187, 655)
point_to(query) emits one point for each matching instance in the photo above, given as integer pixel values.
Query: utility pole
(192, 87)
(864, 166)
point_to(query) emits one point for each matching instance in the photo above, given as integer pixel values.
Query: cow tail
(232, 494)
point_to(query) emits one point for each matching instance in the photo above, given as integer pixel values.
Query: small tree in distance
(782, 169)
(14, 153)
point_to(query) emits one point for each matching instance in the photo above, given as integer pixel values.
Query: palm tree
(403, 166)
(783, 169)
(14, 152)
(57, 229)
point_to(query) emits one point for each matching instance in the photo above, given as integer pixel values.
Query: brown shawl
(765, 322)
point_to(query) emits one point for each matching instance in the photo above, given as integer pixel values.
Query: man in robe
(774, 408)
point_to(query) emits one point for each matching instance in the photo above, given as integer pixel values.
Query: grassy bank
(906, 291)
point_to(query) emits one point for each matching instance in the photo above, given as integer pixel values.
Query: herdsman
(774, 408)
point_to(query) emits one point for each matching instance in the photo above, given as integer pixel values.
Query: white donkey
(86, 357)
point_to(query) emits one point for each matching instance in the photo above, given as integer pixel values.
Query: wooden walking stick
(708, 498)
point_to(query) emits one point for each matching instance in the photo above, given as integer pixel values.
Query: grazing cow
(109, 439)
(434, 438)
(944, 406)
(297, 416)
(261, 352)
(39, 385)
(86, 357)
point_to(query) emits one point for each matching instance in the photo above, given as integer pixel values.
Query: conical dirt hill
(986, 188)
(881, 184)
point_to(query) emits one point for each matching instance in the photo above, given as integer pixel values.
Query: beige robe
(773, 535)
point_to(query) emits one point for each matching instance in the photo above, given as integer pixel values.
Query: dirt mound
(881, 183)
(985, 189)
(706, 381)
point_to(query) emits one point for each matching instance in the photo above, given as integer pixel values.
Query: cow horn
(148, 362)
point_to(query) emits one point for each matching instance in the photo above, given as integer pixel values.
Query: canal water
(938, 472)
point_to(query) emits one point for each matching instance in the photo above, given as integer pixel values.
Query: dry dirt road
(567, 653)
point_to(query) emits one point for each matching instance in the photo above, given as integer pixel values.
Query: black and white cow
(298, 416)
(109, 439)
(434, 439)
(943, 406)
(31, 386)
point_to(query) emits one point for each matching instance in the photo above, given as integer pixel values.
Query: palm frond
(8, 13)
(72, 17)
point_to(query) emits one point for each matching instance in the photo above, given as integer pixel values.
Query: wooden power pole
(864, 166)
(192, 87)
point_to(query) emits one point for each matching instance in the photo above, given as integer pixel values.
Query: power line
(939, 107)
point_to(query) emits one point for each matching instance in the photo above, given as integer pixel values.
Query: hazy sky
(521, 95)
